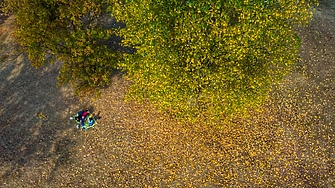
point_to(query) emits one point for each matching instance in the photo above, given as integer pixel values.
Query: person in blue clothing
(91, 121)
(81, 119)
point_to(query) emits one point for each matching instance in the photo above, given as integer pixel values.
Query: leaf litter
(290, 143)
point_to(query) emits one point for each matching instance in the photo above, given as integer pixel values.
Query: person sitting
(91, 121)
(80, 118)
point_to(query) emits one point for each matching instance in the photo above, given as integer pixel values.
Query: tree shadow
(33, 118)
(115, 42)
(3, 18)
(34, 123)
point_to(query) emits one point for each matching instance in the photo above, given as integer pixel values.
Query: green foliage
(209, 58)
(69, 31)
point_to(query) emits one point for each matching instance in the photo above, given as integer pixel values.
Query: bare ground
(290, 144)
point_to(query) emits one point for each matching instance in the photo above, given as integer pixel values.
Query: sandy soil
(289, 145)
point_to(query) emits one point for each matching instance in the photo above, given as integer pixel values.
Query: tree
(209, 58)
(69, 31)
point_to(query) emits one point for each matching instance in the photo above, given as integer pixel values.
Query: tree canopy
(209, 58)
(193, 58)
(69, 31)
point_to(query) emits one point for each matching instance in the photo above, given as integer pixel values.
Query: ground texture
(289, 144)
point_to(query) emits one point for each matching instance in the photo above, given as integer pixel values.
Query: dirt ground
(290, 144)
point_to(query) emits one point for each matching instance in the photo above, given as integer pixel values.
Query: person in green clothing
(91, 121)
(84, 119)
